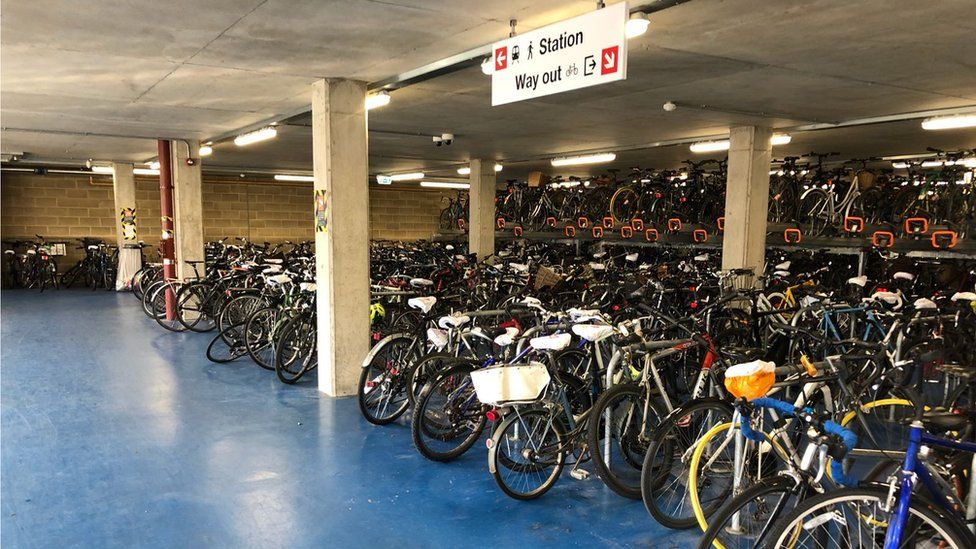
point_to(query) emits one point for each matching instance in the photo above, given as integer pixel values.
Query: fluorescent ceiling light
(102, 169)
(253, 137)
(637, 24)
(949, 122)
(488, 66)
(444, 185)
(935, 163)
(906, 156)
(407, 176)
(899, 165)
(467, 169)
(968, 162)
(377, 100)
(154, 165)
(288, 177)
(586, 159)
(710, 146)
(206, 150)
(145, 171)
(725, 144)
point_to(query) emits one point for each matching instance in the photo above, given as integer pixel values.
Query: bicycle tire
(426, 428)
(715, 534)
(500, 442)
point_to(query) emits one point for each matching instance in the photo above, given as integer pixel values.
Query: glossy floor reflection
(116, 433)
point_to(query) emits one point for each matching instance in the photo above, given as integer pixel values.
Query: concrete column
(187, 207)
(481, 203)
(124, 188)
(341, 217)
(747, 198)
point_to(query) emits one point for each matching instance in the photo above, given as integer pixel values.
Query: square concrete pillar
(747, 198)
(187, 207)
(126, 232)
(341, 217)
(481, 204)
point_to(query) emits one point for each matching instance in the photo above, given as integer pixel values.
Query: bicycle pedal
(579, 474)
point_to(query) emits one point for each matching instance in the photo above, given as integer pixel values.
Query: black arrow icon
(589, 64)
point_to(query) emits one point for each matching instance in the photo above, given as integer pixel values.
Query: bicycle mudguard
(379, 345)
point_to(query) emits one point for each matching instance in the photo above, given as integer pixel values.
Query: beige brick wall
(70, 206)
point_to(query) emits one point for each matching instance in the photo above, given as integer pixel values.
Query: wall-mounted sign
(584, 51)
(384, 180)
(321, 211)
(128, 216)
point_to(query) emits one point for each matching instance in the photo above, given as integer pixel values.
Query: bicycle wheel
(747, 519)
(618, 436)
(383, 382)
(296, 350)
(238, 309)
(147, 298)
(259, 336)
(448, 418)
(856, 517)
(712, 474)
(159, 304)
(664, 474)
(194, 307)
(527, 453)
(426, 370)
(227, 345)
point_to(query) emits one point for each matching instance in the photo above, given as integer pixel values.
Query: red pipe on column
(167, 242)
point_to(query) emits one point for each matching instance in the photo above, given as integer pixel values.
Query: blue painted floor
(116, 433)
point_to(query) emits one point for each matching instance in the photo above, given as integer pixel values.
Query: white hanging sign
(584, 51)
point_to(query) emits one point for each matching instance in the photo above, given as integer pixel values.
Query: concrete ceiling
(196, 72)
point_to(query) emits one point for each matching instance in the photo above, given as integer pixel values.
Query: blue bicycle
(895, 515)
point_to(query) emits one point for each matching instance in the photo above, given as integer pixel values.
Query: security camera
(448, 138)
(670, 106)
(438, 140)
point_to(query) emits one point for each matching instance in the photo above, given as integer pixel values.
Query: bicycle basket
(750, 379)
(511, 384)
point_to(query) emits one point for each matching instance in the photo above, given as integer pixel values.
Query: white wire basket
(511, 384)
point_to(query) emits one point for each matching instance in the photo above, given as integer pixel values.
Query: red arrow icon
(501, 58)
(609, 59)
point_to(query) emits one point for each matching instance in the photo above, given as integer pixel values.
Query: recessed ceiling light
(710, 146)
(206, 150)
(780, 139)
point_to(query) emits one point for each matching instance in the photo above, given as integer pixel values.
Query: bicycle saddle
(593, 332)
(423, 303)
(507, 338)
(963, 296)
(858, 280)
(437, 337)
(902, 275)
(554, 342)
(923, 303)
(942, 420)
(421, 282)
(453, 321)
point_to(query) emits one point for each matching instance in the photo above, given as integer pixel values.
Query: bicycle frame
(915, 469)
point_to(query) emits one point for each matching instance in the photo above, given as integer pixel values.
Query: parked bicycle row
(818, 198)
(33, 264)
(772, 417)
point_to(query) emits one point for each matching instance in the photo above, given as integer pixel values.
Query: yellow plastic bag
(751, 379)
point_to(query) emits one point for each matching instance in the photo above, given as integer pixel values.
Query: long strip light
(467, 169)
(289, 177)
(949, 122)
(724, 144)
(407, 176)
(586, 159)
(377, 100)
(256, 136)
(102, 169)
(444, 185)
(145, 171)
